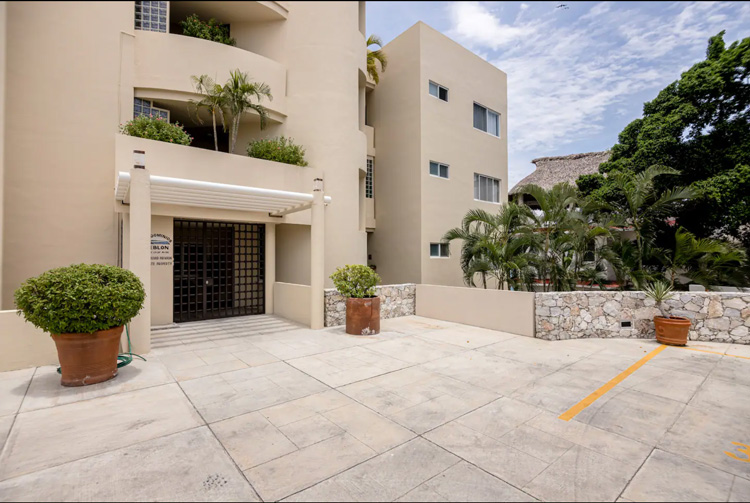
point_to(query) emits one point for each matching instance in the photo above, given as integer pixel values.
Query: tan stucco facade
(66, 87)
(412, 128)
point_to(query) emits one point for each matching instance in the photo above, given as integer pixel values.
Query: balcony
(235, 11)
(164, 63)
(180, 161)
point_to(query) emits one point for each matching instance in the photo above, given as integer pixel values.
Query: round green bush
(356, 281)
(81, 299)
(156, 128)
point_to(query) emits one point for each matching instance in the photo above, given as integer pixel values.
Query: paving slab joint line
(18, 411)
(716, 353)
(593, 397)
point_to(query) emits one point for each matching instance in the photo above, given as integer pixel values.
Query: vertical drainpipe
(317, 255)
(140, 252)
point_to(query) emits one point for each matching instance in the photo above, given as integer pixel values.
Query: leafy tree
(213, 101)
(699, 125)
(375, 57)
(238, 95)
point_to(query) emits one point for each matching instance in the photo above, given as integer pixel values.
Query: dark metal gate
(219, 270)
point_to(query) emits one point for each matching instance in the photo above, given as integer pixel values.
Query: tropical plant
(280, 149)
(706, 261)
(356, 281)
(494, 246)
(81, 299)
(156, 128)
(212, 30)
(238, 96)
(213, 101)
(658, 291)
(375, 57)
(550, 233)
(640, 207)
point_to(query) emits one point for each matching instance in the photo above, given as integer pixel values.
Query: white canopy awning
(186, 192)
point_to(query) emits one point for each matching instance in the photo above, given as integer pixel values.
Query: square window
(443, 171)
(434, 169)
(438, 91)
(434, 89)
(434, 249)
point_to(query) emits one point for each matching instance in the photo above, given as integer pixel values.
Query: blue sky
(576, 76)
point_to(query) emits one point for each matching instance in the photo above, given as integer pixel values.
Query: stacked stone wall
(395, 301)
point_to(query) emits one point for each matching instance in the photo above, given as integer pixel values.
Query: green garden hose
(123, 358)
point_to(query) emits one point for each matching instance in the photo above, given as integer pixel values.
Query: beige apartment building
(214, 234)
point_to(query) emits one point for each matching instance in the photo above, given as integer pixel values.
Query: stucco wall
(292, 302)
(395, 301)
(718, 317)
(502, 310)
(22, 345)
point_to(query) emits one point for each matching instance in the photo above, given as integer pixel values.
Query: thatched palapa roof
(567, 168)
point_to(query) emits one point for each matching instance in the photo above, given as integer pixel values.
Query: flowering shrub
(156, 128)
(280, 149)
(208, 30)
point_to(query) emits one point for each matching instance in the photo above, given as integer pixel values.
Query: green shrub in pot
(81, 299)
(355, 281)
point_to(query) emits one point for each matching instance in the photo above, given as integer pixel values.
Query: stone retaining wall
(718, 317)
(395, 301)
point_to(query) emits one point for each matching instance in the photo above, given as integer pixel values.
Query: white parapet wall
(292, 301)
(717, 317)
(22, 345)
(395, 301)
(502, 310)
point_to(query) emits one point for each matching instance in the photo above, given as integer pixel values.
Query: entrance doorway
(219, 270)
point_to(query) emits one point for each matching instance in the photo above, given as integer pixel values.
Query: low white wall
(22, 345)
(502, 310)
(292, 301)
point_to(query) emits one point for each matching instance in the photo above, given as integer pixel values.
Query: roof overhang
(182, 191)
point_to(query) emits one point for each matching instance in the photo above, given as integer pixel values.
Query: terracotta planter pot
(673, 330)
(88, 358)
(363, 316)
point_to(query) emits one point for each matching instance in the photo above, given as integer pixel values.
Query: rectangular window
(486, 120)
(368, 178)
(486, 188)
(438, 169)
(439, 250)
(145, 107)
(151, 16)
(438, 91)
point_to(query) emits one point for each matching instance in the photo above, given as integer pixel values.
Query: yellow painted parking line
(717, 353)
(593, 397)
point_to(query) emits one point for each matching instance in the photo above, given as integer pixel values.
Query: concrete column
(270, 265)
(317, 255)
(140, 254)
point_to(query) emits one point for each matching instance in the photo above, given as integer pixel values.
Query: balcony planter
(84, 308)
(357, 284)
(672, 330)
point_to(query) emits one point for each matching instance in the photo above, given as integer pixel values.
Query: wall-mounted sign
(161, 249)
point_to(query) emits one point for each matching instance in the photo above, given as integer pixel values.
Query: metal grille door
(219, 270)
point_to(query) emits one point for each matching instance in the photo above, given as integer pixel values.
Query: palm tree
(640, 207)
(704, 260)
(375, 56)
(213, 101)
(494, 245)
(238, 94)
(549, 232)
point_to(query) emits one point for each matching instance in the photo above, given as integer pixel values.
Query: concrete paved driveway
(258, 408)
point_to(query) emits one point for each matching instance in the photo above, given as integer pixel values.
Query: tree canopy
(698, 125)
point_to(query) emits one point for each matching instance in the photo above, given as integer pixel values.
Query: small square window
(438, 169)
(438, 91)
(439, 250)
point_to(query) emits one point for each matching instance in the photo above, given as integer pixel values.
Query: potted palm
(671, 330)
(357, 284)
(84, 308)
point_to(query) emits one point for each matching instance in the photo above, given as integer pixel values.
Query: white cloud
(563, 79)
